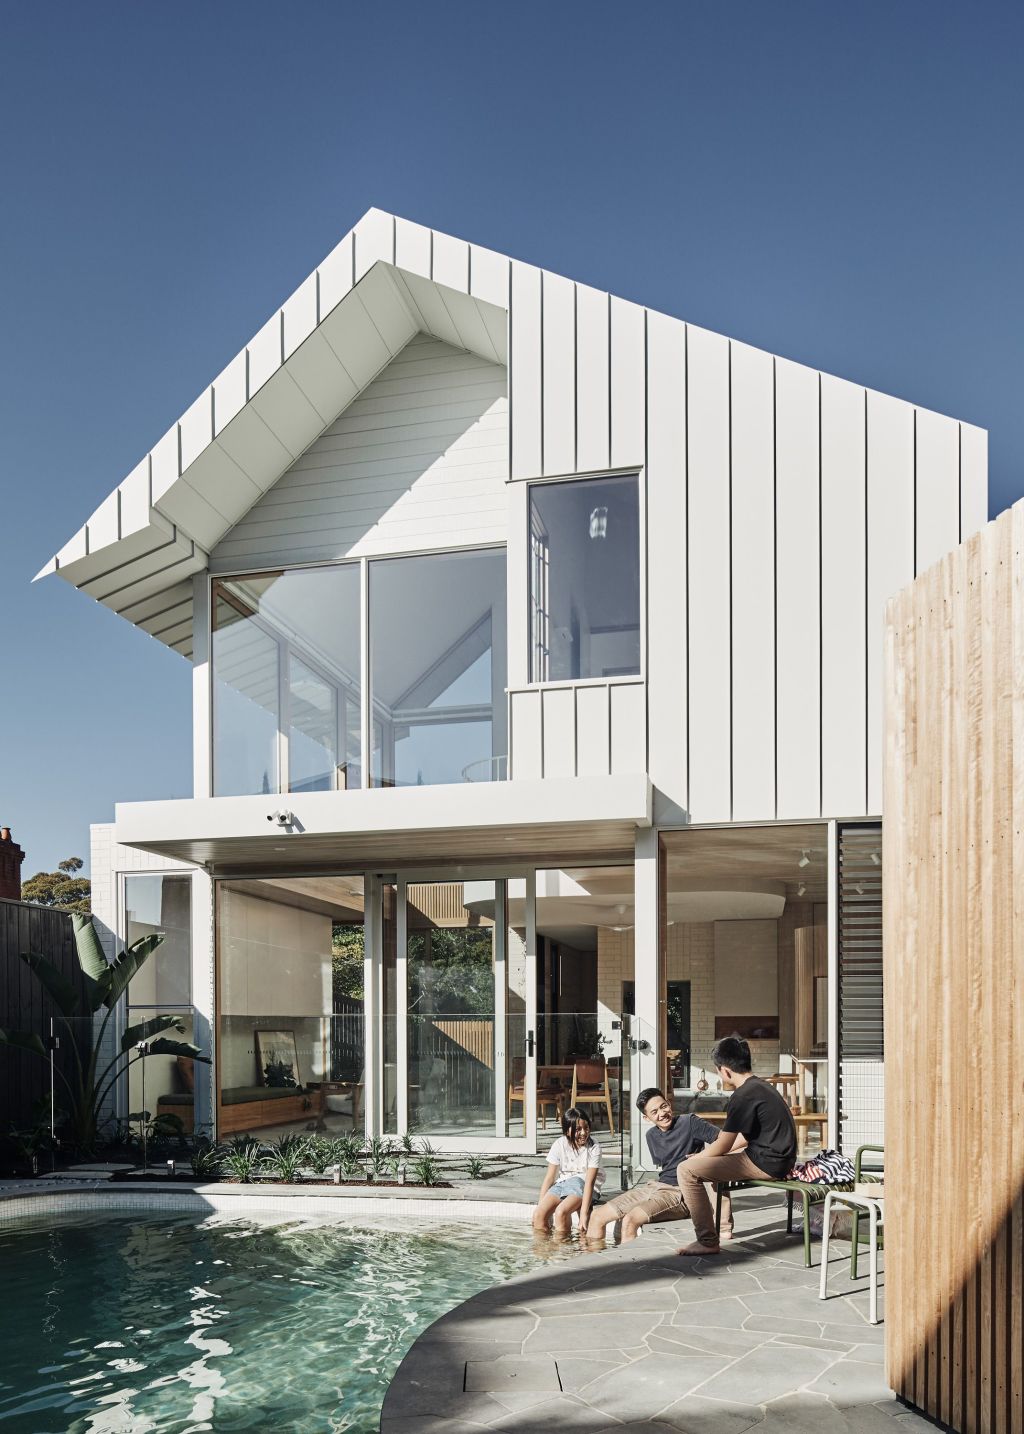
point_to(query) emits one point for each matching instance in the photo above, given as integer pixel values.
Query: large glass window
(585, 579)
(286, 697)
(290, 964)
(437, 668)
(161, 1085)
(164, 904)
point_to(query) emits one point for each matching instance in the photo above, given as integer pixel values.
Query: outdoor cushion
(178, 1098)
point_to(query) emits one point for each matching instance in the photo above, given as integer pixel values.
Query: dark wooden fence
(26, 1006)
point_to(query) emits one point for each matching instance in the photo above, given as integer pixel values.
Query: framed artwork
(277, 1059)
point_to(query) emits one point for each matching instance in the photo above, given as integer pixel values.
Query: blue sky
(837, 183)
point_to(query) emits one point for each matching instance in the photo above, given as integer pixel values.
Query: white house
(536, 642)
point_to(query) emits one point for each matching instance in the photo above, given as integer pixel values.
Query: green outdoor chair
(869, 1174)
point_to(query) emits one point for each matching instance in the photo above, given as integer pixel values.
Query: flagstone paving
(634, 1338)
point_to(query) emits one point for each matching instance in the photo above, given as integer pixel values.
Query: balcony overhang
(406, 826)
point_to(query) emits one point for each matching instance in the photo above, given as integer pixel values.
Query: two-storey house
(537, 658)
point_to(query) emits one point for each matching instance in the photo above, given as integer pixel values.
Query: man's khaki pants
(694, 1172)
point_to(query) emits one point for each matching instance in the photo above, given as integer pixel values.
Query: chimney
(11, 857)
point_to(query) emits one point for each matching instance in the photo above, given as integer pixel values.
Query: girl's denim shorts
(568, 1185)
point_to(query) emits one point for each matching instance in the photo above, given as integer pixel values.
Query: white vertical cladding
(973, 480)
(666, 556)
(203, 995)
(558, 719)
(628, 384)
(593, 732)
(753, 584)
(525, 372)
(798, 574)
(593, 385)
(628, 728)
(202, 717)
(936, 487)
(890, 530)
(526, 743)
(559, 373)
(843, 600)
(708, 561)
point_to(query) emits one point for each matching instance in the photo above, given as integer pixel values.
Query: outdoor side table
(875, 1207)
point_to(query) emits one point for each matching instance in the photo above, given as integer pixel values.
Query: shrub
(427, 1170)
(205, 1159)
(286, 1157)
(379, 1156)
(475, 1168)
(241, 1161)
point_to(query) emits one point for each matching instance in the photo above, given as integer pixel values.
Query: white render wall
(418, 460)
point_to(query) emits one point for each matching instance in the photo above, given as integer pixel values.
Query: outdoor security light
(599, 523)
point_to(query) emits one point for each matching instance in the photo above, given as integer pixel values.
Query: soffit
(387, 280)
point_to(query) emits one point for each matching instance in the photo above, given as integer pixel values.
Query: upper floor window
(287, 654)
(437, 668)
(286, 698)
(585, 579)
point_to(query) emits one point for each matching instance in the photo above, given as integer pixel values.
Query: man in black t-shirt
(671, 1140)
(758, 1141)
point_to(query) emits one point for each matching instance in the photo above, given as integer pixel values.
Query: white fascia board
(398, 810)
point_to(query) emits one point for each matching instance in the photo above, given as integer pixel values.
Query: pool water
(135, 1322)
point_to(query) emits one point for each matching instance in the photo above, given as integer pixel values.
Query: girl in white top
(573, 1178)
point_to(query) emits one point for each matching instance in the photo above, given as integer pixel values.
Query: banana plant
(105, 982)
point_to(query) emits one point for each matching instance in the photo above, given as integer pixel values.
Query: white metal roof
(387, 280)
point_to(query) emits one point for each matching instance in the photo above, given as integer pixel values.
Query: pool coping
(215, 1198)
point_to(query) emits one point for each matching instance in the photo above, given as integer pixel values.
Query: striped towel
(828, 1167)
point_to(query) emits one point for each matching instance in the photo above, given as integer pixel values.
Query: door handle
(529, 1043)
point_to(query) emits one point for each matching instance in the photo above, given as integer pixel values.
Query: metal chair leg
(805, 1196)
(855, 1247)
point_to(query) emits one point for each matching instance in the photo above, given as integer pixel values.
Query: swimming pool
(141, 1322)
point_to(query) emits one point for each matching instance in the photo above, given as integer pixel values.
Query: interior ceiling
(704, 856)
(339, 897)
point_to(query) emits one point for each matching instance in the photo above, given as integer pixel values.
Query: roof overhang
(550, 820)
(387, 280)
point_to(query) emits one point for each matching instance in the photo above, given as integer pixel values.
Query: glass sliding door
(464, 998)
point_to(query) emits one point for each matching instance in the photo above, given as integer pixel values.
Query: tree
(105, 984)
(348, 947)
(63, 889)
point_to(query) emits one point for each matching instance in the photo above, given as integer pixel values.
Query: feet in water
(697, 1249)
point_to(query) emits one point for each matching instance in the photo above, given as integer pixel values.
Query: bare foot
(697, 1249)
(725, 1235)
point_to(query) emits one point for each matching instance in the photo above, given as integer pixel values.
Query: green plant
(427, 1170)
(105, 984)
(379, 1157)
(320, 1154)
(241, 1161)
(205, 1159)
(286, 1157)
(475, 1168)
(280, 1074)
(347, 1150)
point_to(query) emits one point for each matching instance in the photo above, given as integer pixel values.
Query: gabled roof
(387, 280)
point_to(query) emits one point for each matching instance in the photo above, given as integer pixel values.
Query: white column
(204, 956)
(647, 977)
(202, 715)
(835, 1130)
(373, 955)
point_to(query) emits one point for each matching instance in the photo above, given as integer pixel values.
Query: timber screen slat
(954, 985)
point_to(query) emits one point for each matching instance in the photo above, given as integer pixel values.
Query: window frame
(614, 680)
(366, 707)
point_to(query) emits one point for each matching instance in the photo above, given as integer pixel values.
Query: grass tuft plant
(475, 1168)
(241, 1160)
(427, 1170)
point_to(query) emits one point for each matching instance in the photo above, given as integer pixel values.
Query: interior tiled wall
(690, 957)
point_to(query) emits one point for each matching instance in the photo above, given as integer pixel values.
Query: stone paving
(634, 1337)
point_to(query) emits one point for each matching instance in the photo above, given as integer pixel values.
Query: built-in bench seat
(246, 1107)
